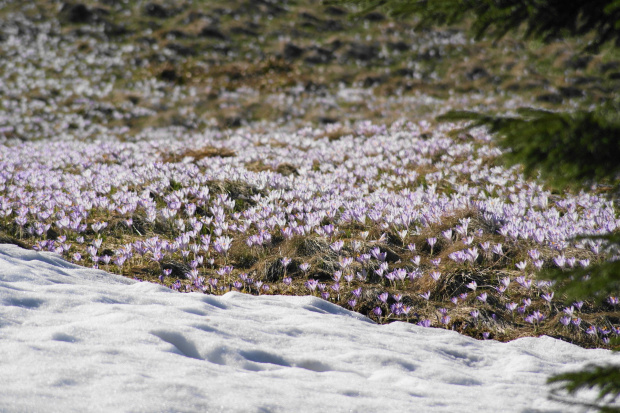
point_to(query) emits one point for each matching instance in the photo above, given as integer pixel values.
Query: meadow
(282, 148)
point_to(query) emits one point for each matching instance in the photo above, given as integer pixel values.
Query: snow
(74, 340)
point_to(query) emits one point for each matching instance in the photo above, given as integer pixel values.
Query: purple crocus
(472, 285)
(311, 284)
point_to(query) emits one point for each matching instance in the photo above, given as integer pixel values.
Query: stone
(213, 33)
(292, 51)
(169, 75)
(335, 11)
(76, 13)
(399, 46)
(243, 31)
(371, 81)
(374, 16)
(181, 50)
(554, 98)
(609, 66)
(319, 56)
(156, 10)
(363, 52)
(476, 73)
(571, 92)
(578, 62)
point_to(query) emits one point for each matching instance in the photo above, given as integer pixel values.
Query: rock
(405, 72)
(371, 81)
(332, 25)
(292, 51)
(324, 120)
(609, 66)
(335, 45)
(212, 32)
(571, 92)
(309, 16)
(363, 52)
(179, 269)
(232, 121)
(181, 50)
(193, 16)
(156, 10)
(176, 34)
(169, 75)
(476, 73)
(374, 16)
(76, 13)
(243, 31)
(114, 30)
(316, 59)
(554, 98)
(308, 25)
(335, 11)
(578, 62)
(311, 86)
(319, 56)
(584, 80)
(430, 54)
(524, 86)
(399, 46)
(147, 40)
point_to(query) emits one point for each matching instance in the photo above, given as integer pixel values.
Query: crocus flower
(285, 261)
(311, 284)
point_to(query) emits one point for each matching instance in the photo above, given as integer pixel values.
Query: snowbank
(75, 339)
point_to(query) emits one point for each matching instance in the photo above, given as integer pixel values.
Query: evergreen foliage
(543, 19)
(567, 149)
(605, 378)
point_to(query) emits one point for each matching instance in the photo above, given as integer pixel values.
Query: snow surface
(77, 340)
